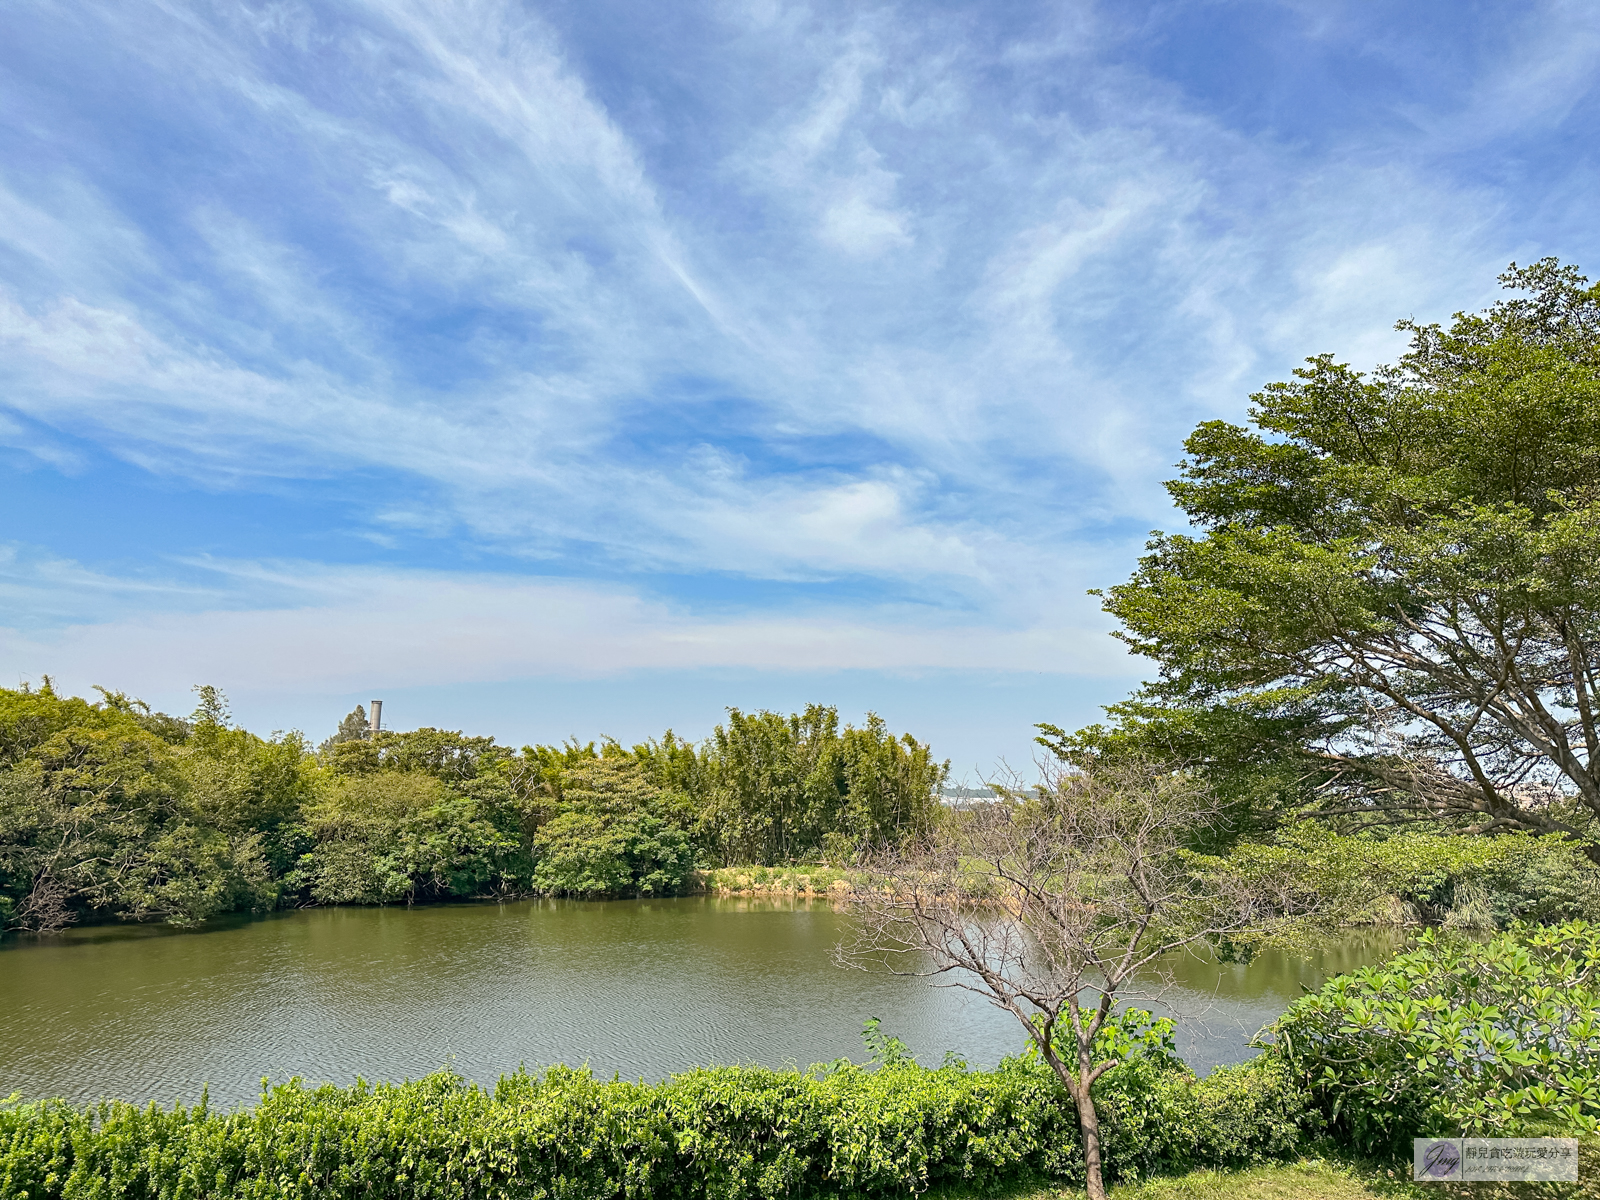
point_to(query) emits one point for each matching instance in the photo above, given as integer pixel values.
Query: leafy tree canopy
(614, 834)
(1388, 608)
(355, 727)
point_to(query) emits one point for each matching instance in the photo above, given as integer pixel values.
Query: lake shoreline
(641, 987)
(753, 882)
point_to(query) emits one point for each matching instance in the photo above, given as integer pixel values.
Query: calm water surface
(643, 988)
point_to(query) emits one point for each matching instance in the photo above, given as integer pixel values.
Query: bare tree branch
(1055, 904)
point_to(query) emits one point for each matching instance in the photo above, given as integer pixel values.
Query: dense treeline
(110, 809)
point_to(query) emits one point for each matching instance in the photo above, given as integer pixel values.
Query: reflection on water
(642, 988)
(1220, 1007)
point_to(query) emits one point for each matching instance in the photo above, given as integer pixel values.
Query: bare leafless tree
(1051, 904)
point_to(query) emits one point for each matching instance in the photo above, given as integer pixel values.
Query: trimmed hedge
(729, 1133)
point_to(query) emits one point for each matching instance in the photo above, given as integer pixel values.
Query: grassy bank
(774, 881)
(1310, 1179)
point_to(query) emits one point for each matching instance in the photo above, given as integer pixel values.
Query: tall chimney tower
(376, 721)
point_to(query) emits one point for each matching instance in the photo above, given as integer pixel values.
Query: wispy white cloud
(42, 591)
(932, 305)
(823, 166)
(1547, 58)
(336, 630)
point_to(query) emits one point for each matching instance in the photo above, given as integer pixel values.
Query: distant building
(965, 797)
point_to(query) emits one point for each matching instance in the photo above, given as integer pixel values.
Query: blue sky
(584, 368)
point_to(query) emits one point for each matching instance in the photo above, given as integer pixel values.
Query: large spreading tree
(1388, 605)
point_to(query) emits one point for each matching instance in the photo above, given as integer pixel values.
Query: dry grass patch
(775, 881)
(1317, 1179)
(1310, 1180)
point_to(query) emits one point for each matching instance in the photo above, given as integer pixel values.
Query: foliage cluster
(727, 1133)
(110, 809)
(1157, 1117)
(1412, 878)
(1455, 1036)
(773, 789)
(1388, 608)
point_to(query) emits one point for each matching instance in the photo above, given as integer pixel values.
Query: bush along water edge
(724, 1133)
(1452, 1037)
(1456, 1036)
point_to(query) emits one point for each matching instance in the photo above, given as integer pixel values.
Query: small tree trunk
(1079, 1084)
(1089, 1124)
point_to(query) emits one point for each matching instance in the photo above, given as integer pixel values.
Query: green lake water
(643, 988)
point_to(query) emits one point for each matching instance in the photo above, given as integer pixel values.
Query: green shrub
(1455, 1037)
(728, 1133)
(401, 835)
(1158, 1118)
(612, 836)
(797, 880)
(1420, 878)
(189, 874)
